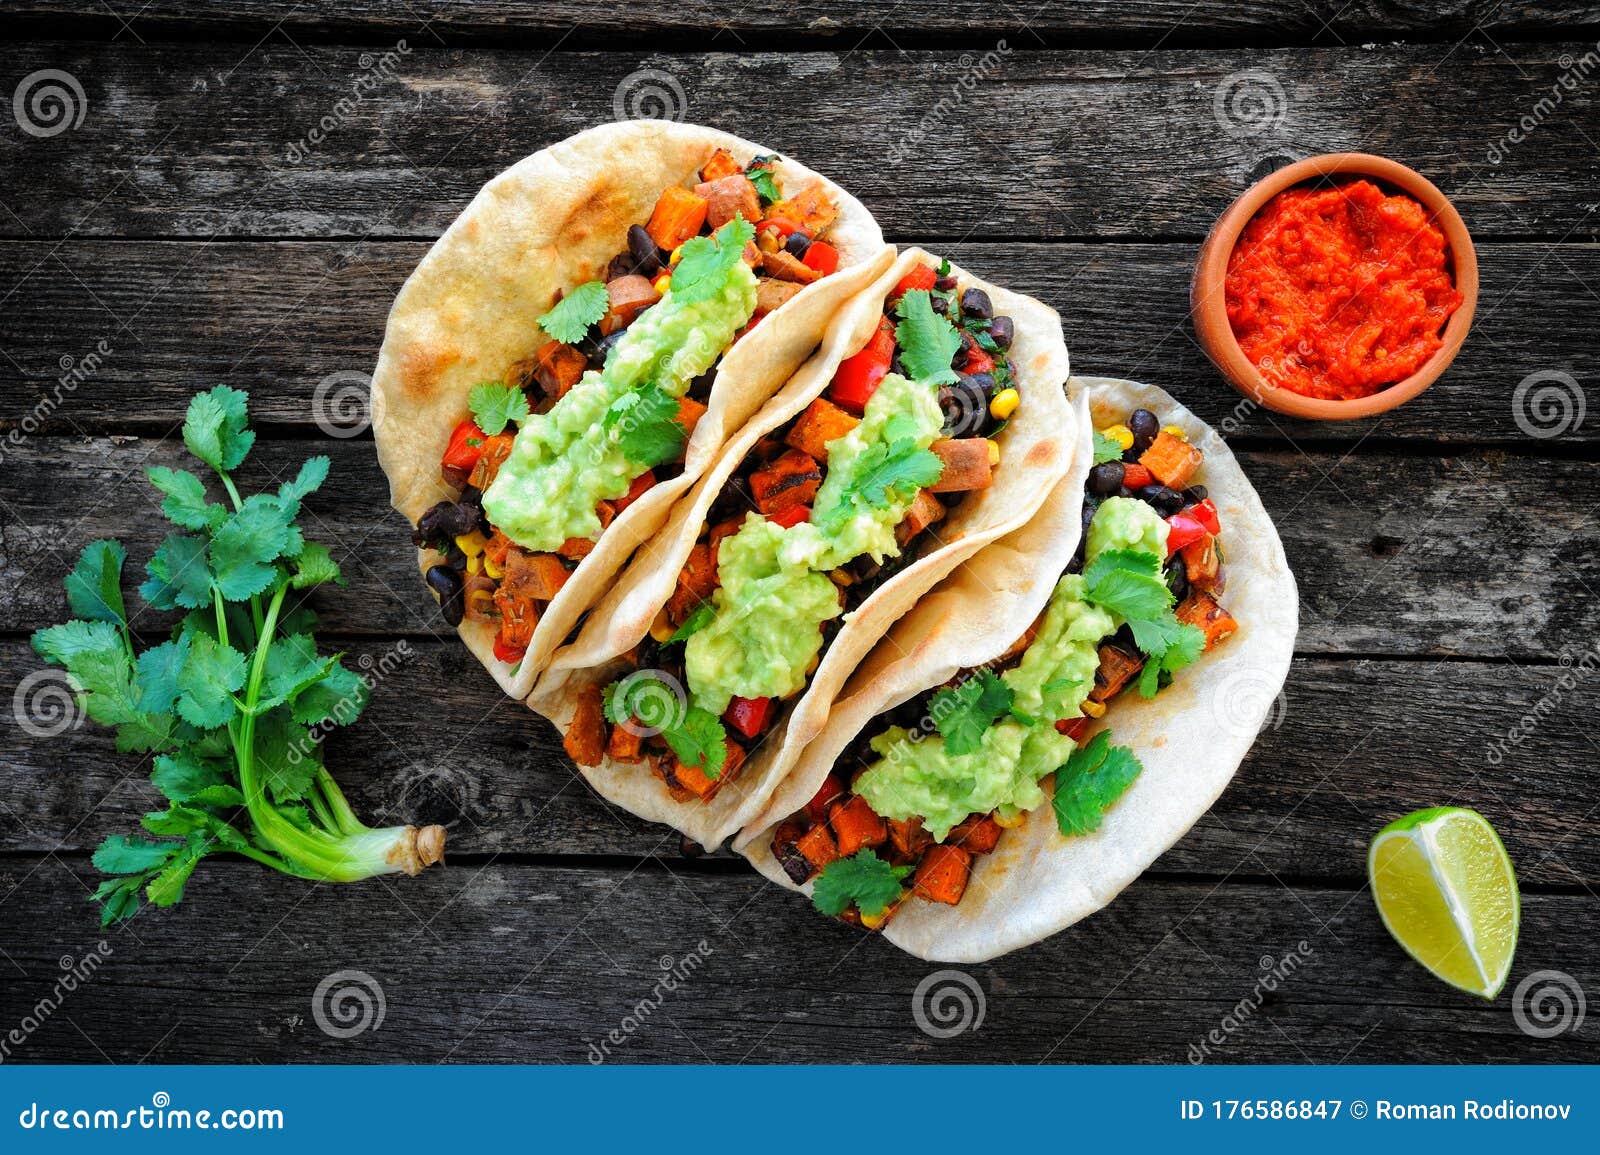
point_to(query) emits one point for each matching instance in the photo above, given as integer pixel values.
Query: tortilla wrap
(1191, 737)
(1038, 447)
(549, 223)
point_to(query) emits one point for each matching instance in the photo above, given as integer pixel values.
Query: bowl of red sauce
(1337, 287)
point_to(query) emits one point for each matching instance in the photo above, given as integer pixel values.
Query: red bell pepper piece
(1205, 512)
(509, 654)
(1136, 476)
(463, 452)
(1073, 728)
(822, 257)
(749, 716)
(832, 787)
(920, 277)
(635, 491)
(856, 379)
(793, 515)
(1182, 530)
(977, 362)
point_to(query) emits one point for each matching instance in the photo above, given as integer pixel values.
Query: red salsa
(1339, 292)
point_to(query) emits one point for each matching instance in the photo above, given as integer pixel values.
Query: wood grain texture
(196, 139)
(512, 963)
(1350, 747)
(298, 324)
(1165, 22)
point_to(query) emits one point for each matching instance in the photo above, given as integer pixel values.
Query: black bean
(797, 244)
(1003, 330)
(621, 265)
(1143, 425)
(1089, 506)
(447, 583)
(896, 365)
(603, 347)
(976, 303)
(940, 305)
(1164, 501)
(689, 848)
(648, 259)
(1178, 577)
(966, 405)
(1106, 478)
(1194, 495)
(794, 865)
(945, 283)
(1128, 493)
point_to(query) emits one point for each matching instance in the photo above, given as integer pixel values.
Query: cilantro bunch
(1128, 583)
(227, 704)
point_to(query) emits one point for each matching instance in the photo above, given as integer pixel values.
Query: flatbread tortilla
(547, 224)
(1039, 446)
(1190, 738)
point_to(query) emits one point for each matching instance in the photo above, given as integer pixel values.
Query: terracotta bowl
(1207, 299)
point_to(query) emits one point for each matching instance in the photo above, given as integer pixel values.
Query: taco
(984, 782)
(570, 356)
(932, 422)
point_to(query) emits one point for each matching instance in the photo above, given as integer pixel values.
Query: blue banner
(316, 1109)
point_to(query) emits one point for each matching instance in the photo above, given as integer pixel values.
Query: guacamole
(1125, 523)
(564, 462)
(775, 592)
(916, 776)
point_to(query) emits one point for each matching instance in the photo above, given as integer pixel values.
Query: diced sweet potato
(722, 163)
(1171, 460)
(1201, 609)
(721, 531)
(478, 599)
(585, 740)
(785, 266)
(788, 854)
(1117, 668)
(694, 779)
(942, 876)
(535, 576)
(966, 464)
(977, 835)
(924, 511)
(1018, 647)
(808, 209)
(856, 826)
(495, 451)
(818, 846)
(791, 480)
(678, 216)
(696, 581)
(689, 413)
(908, 837)
(629, 296)
(728, 197)
(625, 744)
(557, 368)
(822, 422)
(773, 294)
(1201, 562)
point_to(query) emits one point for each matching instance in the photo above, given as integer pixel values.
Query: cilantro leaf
(207, 682)
(94, 587)
(494, 406)
(214, 428)
(121, 854)
(1091, 782)
(699, 741)
(166, 888)
(286, 755)
(158, 670)
(183, 775)
(338, 698)
(928, 342)
(179, 575)
(703, 269)
(310, 478)
(1132, 595)
(314, 566)
(863, 879)
(1171, 645)
(244, 548)
(1105, 449)
(761, 176)
(569, 318)
(292, 668)
(964, 712)
(646, 425)
(186, 505)
(694, 623)
(102, 675)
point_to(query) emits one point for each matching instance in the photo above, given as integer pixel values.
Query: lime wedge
(1446, 890)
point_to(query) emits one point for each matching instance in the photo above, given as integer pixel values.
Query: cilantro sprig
(863, 879)
(645, 421)
(760, 173)
(703, 268)
(965, 711)
(695, 734)
(928, 342)
(494, 406)
(1091, 782)
(1128, 583)
(227, 703)
(1105, 449)
(569, 318)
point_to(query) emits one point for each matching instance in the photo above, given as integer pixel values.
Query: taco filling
(820, 512)
(938, 779)
(605, 408)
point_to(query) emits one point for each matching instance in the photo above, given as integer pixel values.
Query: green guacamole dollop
(775, 592)
(564, 462)
(1125, 523)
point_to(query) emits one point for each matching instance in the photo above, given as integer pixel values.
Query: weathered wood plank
(540, 964)
(1165, 22)
(1475, 555)
(1355, 745)
(187, 139)
(296, 323)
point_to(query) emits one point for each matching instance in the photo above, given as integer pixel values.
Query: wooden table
(1447, 554)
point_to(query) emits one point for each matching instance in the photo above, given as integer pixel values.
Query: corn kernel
(1094, 709)
(1004, 404)
(1175, 431)
(1121, 434)
(1009, 821)
(491, 569)
(472, 544)
(841, 577)
(677, 255)
(994, 452)
(660, 283)
(767, 241)
(475, 563)
(661, 629)
(874, 921)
